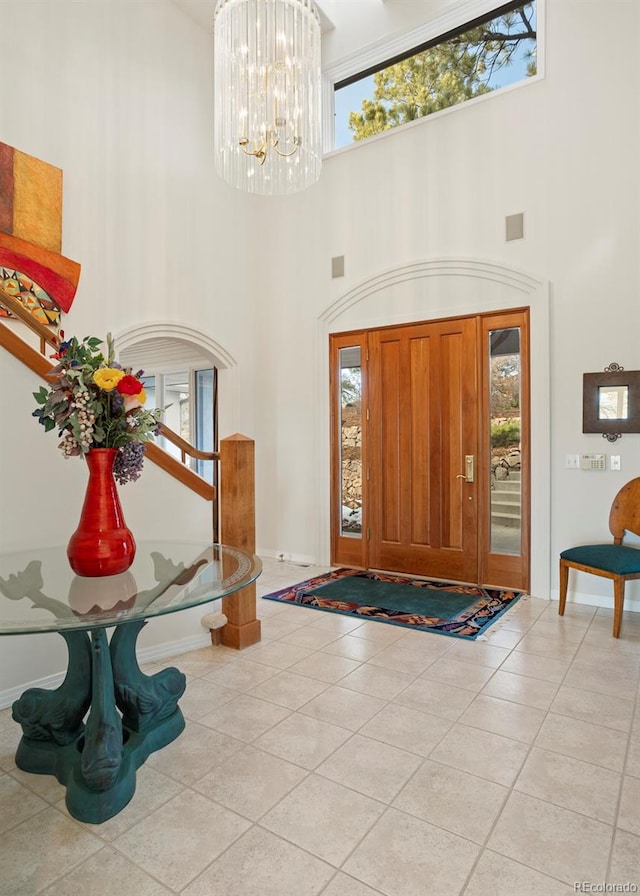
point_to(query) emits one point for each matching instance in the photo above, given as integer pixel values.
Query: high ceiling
(349, 25)
(201, 11)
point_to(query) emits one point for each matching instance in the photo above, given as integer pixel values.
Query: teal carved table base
(97, 761)
(95, 731)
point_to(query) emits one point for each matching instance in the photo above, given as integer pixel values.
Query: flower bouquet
(97, 406)
(95, 403)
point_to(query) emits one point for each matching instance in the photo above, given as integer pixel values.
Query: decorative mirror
(611, 402)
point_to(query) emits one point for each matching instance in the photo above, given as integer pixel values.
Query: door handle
(469, 464)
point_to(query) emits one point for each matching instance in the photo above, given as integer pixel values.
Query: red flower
(129, 385)
(63, 347)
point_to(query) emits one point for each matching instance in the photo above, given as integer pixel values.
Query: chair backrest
(625, 511)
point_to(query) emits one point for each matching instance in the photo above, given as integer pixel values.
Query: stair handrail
(237, 478)
(186, 447)
(18, 309)
(48, 338)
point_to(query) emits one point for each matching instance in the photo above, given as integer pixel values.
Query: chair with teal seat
(613, 561)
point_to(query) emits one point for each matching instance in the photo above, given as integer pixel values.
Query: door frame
(473, 561)
(439, 288)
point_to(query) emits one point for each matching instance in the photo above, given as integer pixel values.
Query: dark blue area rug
(462, 611)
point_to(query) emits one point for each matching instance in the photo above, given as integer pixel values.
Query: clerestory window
(495, 50)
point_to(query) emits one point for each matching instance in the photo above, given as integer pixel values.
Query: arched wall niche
(172, 345)
(448, 287)
(131, 337)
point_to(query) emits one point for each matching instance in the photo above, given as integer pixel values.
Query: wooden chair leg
(618, 604)
(564, 583)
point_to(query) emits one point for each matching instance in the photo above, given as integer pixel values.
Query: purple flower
(128, 462)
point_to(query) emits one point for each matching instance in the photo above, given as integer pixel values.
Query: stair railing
(237, 477)
(38, 363)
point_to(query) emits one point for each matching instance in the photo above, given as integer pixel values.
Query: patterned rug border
(469, 624)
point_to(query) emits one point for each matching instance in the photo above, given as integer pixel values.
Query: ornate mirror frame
(611, 427)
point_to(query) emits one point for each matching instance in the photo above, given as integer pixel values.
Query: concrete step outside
(508, 509)
(511, 520)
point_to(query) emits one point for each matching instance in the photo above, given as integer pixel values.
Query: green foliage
(94, 403)
(350, 385)
(455, 70)
(504, 435)
(505, 385)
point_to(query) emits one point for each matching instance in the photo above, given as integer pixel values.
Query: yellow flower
(107, 378)
(131, 402)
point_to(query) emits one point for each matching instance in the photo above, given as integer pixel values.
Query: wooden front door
(415, 433)
(422, 433)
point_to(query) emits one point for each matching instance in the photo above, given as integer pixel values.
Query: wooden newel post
(238, 530)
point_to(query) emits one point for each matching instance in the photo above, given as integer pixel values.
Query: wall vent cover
(514, 227)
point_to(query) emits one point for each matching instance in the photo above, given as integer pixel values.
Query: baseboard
(284, 557)
(8, 697)
(144, 655)
(598, 600)
(173, 648)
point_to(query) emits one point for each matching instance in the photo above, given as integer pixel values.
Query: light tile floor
(350, 758)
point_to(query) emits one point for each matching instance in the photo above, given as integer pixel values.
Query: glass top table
(40, 593)
(107, 717)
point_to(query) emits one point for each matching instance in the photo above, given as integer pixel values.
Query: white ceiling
(350, 25)
(201, 11)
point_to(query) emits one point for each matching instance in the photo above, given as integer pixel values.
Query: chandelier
(267, 94)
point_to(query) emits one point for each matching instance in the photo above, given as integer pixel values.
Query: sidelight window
(504, 440)
(351, 441)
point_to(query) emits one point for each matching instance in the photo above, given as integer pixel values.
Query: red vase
(102, 545)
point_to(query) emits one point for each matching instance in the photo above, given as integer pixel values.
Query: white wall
(564, 151)
(120, 96)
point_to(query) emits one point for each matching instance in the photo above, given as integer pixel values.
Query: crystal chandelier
(267, 87)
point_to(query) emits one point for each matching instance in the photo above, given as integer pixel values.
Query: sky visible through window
(349, 99)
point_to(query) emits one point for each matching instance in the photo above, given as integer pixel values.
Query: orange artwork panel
(37, 202)
(6, 188)
(33, 269)
(30, 198)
